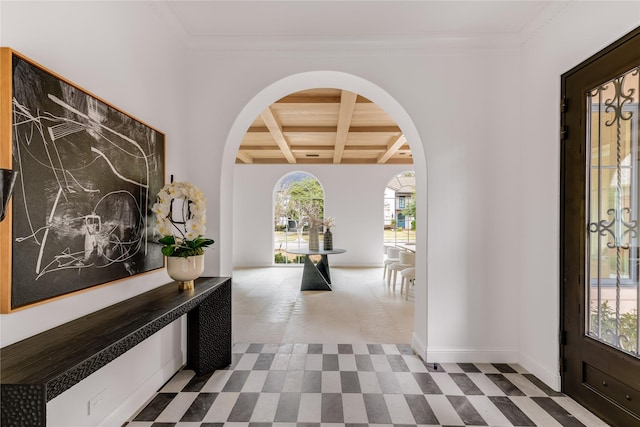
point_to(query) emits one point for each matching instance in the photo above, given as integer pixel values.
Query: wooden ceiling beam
(249, 148)
(391, 150)
(358, 161)
(246, 158)
(347, 105)
(298, 148)
(258, 129)
(318, 99)
(309, 129)
(314, 160)
(376, 129)
(309, 99)
(295, 129)
(276, 131)
(319, 160)
(324, 125)
(356, 148)
(268, 161)
(408, 160)
(327, 129)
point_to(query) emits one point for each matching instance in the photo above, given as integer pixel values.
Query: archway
(374, 93)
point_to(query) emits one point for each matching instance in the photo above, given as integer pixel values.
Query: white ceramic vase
(185, 270)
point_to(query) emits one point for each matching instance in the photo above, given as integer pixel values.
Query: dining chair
(406, 259)
(408, 277)
(393, 256)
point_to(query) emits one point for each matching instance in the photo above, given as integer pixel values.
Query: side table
(316, 277)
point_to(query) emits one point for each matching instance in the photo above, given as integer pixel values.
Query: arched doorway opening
(377, 95)
(295, 197)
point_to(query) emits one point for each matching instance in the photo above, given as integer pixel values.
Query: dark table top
(303, 251)
(69, 352)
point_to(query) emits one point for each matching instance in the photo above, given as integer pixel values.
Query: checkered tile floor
(356, 385)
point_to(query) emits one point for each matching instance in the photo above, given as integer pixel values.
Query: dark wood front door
(599, 235)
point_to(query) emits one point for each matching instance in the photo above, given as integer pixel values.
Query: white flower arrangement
(182, 231)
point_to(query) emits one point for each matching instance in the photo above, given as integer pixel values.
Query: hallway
(268, 307)
(343, 358)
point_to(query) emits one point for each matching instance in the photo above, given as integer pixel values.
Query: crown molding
(543, 19)
(435, 43)
(418, 44)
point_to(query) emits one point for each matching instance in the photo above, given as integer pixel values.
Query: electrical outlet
(96, 402)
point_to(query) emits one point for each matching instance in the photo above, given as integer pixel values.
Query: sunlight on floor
(268, 307)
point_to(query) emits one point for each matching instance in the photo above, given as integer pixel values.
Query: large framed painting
(88, 174)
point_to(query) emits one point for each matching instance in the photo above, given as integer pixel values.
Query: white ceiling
(242, 21)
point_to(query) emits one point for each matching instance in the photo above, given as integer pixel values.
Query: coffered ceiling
(324, 126)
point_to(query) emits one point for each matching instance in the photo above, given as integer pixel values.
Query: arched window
(296, 198)
(400, 209)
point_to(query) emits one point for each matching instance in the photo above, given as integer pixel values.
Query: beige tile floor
(268, 307)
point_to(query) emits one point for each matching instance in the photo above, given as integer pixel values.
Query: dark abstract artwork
(87, 176)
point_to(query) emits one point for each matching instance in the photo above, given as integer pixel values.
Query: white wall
(472, 201)
(467, 126)
(580, 30)
(353, 195)
(121, 52)
(483, 125)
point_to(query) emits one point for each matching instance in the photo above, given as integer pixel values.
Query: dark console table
(39, 368)
(316, 277)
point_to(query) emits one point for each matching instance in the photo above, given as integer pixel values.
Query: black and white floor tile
(299, 385)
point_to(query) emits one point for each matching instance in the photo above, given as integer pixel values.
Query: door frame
(579, 380)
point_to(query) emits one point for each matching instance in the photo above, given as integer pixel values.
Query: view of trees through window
(400, 210)
(296, 198)
(299, 195)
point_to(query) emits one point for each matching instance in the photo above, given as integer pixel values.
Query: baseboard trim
(144, 393)
(550, 378)
(418, 346)
(457, 355)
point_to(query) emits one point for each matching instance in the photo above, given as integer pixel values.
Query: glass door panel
(612, 206)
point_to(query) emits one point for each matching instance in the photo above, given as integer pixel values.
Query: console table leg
(23, 405)
(209, 332)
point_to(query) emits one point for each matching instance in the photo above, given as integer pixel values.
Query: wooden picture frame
(88, 174)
